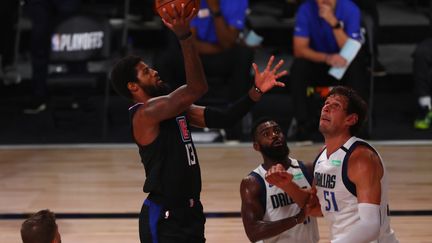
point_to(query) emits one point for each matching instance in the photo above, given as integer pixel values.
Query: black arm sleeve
(222, 118)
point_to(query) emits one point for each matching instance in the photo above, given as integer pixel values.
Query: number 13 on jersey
(190, 151)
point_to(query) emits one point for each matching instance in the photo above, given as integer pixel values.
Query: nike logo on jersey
(319, 161)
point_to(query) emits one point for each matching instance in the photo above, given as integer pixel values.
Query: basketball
(189, 5)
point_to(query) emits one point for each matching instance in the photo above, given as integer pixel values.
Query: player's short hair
(39, 228)
(356, 104)
(258, 122)
(123, 72)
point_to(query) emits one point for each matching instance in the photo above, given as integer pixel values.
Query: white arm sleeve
(367, 228)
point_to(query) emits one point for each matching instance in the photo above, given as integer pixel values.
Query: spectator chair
(80, 61)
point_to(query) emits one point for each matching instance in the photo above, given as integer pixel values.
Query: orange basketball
(189, 5)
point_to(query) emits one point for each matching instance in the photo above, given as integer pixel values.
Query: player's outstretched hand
(278, 176)
(267, 79)
(178, 22)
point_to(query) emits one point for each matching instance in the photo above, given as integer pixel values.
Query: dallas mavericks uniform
(337, 194)
(278, 206)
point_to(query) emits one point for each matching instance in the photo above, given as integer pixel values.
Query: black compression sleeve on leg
(222, 118)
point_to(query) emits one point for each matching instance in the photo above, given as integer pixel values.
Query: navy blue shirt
(233, 12)
(321, 38)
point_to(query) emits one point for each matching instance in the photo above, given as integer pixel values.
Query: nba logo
(55, 42)
(181, 121)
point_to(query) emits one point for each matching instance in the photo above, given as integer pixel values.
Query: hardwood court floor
(88, 179)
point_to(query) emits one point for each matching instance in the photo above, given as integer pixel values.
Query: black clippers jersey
(170, 161)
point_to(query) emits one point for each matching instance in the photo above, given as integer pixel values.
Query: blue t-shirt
(321, 38)
(233, 11)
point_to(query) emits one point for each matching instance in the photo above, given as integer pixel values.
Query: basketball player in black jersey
(172, 211)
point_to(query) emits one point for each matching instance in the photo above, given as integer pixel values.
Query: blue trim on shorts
(154, 215)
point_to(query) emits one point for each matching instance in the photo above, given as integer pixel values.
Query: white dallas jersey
(337, 194)
(279, 206)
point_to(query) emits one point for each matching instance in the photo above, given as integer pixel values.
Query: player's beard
(156, 90)
(276, 153)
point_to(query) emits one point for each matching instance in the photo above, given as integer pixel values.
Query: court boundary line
(200, 145)
(19, 216)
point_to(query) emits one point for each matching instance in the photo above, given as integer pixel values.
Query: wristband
(257, 89)
(338, 25)
(185, 36)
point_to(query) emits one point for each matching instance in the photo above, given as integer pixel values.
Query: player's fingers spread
(255, 67)
(281, 74)
(191, 15)
(279, 65)
(182, 10)
(270, 63)
(169, 25)
(165, 16)
(280, 84)
(175, 12)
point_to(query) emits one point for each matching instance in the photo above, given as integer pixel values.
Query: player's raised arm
(264, 81)
(179, 100)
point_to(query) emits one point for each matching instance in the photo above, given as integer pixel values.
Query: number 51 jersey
(337, 194)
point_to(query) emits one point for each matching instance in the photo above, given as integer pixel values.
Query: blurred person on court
(44, 14)
(422, 72)
(322, 28)
(41, 227)
(350, 179)
(268, 213)
(160, 121)
(227, 62)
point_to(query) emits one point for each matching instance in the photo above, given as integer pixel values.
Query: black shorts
(179, 225)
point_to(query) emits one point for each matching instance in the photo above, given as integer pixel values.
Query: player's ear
(352, 119)
(256, 146)
(132, 86)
